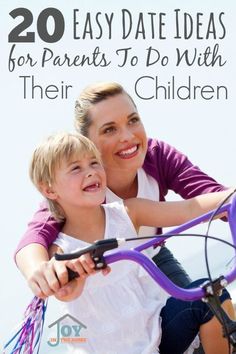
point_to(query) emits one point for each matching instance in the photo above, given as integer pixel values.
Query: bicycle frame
(135, 255)
(153, 270)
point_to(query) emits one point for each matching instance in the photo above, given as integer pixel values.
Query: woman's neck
(87, 224)
(123, 185)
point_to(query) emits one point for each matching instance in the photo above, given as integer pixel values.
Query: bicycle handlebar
(98, 249)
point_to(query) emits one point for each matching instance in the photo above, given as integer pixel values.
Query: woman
(134, 165)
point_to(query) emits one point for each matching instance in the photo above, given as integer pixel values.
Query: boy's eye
(75, 168)
(95, 162)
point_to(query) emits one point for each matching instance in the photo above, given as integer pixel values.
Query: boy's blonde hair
(91, 95)
(48, 156)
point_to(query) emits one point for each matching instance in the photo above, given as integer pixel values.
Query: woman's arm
(165, 214)
(42, 229)
(174, 171)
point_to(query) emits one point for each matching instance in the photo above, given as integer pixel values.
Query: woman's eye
(134, 120)
(108, 130)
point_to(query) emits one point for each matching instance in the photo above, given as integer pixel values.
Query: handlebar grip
(96, 250)
(72, 274)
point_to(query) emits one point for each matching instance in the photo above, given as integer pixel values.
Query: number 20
(15, 35)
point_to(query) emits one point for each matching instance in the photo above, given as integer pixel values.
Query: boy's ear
(48, 191)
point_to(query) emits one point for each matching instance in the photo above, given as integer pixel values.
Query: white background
(202, 129)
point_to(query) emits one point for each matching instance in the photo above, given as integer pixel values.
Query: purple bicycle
(30, 332)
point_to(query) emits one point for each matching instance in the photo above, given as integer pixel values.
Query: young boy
(121, 311)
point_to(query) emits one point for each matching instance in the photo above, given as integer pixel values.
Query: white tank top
(121, 311)
(147, 188)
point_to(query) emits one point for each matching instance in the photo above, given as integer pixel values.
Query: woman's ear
(48, 191)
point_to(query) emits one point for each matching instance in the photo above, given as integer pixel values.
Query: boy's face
(79, 182)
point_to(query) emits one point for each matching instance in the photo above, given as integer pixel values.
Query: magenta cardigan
(171, 169)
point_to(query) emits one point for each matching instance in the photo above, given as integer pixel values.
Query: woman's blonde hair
(48, 156)
(91, 95)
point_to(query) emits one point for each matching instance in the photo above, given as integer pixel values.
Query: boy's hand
(84, 266)
(48, 278)
(51, 277)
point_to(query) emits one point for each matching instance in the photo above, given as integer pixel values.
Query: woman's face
(118, 133)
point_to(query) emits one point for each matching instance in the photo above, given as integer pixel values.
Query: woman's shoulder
(159, 151)
(155, 156)
(160, 162)
(159, 146)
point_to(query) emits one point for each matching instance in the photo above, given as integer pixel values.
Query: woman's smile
(129, 152)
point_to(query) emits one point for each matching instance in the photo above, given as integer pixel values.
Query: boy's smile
(92, 187)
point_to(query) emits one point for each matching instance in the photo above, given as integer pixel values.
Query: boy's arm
(30, 261)
(32, 249)
(164, 214)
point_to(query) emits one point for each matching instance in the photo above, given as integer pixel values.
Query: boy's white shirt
(147, 188)
(122, 308)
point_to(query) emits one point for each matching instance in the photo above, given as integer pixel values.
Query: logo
(69, 332)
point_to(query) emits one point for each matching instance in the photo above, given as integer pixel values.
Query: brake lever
(96, 250)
